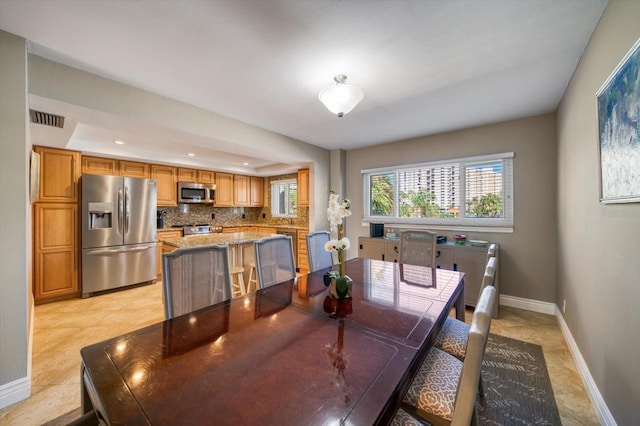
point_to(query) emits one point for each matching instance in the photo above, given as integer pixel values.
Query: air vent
(46, 119)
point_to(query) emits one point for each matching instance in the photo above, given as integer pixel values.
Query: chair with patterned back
(274, 260)
(194, 278)
(418, 247)
(319, 258)
(444, 391)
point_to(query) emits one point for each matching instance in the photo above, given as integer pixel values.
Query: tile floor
(61, 329)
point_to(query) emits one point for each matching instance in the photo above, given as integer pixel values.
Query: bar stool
(253, 277)
(237, 281)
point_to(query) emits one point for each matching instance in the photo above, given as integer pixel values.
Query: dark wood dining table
(290, 354)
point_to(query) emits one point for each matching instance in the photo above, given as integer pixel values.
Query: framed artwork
(619, 131)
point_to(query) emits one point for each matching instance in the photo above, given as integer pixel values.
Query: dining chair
(274, 260)
(492, 251)
(194, 278)
(402, 418)
(319, 258)
(418, 247)
(444, 391)
(454, 333)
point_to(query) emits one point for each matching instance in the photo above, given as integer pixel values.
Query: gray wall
(528, 255)
(599, 245)
(16, 300)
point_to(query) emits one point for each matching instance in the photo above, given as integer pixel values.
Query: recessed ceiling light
(119, 142)
(191, 154)
(245, 164)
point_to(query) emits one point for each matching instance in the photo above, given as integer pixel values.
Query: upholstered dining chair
(444, 390)
(492, 251)
(402, 418)
(454, 333)
(418, 247)
(319, 258)
(194, 278)
(274, 260)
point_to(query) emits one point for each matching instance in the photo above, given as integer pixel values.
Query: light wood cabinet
(230, 230)
(99, 166)
(187, 175)
(163, 248)
(206, 176)
(55, 259)
(134, 169)
(303, 187)
(224, 190)
(111, 167)
(267, 230)
(303, 259)
(241, 191)
(256, 191)
(59, 175)
(167, 188)
(248, 229)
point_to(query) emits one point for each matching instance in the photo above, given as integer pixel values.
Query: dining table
(289, 354)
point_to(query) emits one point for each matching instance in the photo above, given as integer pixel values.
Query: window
(475, 191)
(284, 198)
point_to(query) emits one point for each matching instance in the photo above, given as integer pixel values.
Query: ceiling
(425, 67)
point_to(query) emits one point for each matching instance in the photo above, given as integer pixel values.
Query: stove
(198, 229)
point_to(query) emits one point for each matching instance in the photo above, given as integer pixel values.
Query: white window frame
(503, 224)
(274, 202)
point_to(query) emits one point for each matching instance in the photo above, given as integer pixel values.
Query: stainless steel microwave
(196, 193)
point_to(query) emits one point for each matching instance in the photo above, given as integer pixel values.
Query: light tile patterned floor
(62, 328)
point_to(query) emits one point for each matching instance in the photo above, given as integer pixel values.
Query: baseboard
(600, 406)
(528, 304)
(20, 389)
(15, 391)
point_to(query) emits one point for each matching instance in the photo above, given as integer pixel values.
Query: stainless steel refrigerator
(118, 232)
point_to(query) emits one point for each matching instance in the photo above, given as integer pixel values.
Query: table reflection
(336, 354)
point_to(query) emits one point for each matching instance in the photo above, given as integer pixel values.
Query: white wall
(15, 231)
(599, 245)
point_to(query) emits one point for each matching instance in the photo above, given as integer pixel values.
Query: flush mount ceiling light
(341, 98)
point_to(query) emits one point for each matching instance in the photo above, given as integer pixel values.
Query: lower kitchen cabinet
(55, 260)
(162, 248)
(303, 259)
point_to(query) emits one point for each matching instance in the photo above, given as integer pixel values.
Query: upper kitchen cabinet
(111, 167)
(59, 174)
(193, 175)
(99, 166)
(206, 176)
(224, 190)
(167, 191)
(256, 192)
(134, 169)
(241, 191)
(187, 175)
(303, 187)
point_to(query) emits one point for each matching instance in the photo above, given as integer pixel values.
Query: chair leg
(480, 387)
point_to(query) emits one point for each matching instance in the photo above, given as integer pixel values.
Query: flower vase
(338, 291)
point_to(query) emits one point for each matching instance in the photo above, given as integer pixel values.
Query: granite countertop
(215, 238)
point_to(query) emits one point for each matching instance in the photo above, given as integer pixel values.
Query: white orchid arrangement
(336, 212)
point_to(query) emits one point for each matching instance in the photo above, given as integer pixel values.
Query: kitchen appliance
(376, 230)
(196, 193)
(160, 220)
(118, 232)
(189, 230)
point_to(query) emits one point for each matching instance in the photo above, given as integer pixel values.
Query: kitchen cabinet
(224, 190)
(256, 196)
(206, 176)
(59, 174)
(55, 248)
(134, 169)
(371, 248)
(187, 175)
(230, 230)
(303, 259)
(163, 248)
(99, 166)
(112, 167)
(303, 187)
(267, 230)
(167, 188)
(248, 229)
(241, 191)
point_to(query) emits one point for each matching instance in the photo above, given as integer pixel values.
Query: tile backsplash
(186, 214)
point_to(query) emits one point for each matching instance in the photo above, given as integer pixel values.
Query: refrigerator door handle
(126, 210)
(120, 211)
(98, 252)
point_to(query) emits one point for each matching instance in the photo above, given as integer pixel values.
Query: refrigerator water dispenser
(100, 215)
